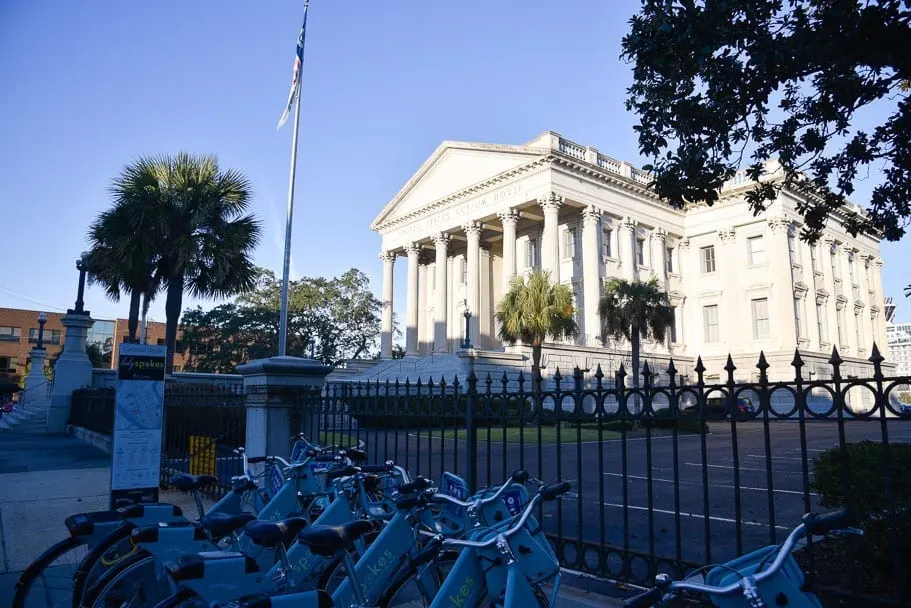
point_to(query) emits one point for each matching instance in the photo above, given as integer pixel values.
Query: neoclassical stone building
(475, 215)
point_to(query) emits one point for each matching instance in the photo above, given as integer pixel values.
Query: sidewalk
(45, 478)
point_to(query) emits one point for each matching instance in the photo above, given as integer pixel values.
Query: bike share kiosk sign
(137, 424)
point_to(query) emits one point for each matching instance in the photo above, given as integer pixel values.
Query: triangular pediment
(453, 167)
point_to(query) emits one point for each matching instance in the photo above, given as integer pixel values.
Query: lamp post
(82, 267)
(467, 315)
(42, 319)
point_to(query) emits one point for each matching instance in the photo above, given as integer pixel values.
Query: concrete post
(73, 369)
(36, 382)
(441, 301)
(284, 397)
(591, 274)
(388, 259)
(411, 300)
(550, 241)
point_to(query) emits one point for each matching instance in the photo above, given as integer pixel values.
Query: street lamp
(42, 319)
(82, 267)
(467, 315)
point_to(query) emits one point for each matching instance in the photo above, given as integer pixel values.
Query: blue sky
(89, 86)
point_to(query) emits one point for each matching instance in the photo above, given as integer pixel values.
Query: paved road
(640, 496)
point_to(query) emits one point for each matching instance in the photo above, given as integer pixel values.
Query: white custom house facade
(476, 215)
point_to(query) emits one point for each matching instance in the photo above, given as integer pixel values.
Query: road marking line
(711, 485)
(775, 457)
(693, 515)
(722, 466)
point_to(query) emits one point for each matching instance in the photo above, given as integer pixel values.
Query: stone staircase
(31, 417)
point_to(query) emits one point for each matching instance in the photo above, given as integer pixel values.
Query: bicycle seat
(193, 567)
(222, 524)
(190, 483)
(329, 540)
(270, 534)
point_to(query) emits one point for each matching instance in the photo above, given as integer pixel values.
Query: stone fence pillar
(71, 371)
(284, 397)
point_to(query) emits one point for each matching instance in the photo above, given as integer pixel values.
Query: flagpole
(286, 267)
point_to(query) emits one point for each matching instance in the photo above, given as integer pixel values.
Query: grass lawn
(530, 434)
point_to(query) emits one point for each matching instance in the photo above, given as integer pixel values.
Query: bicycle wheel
(138, 581)
(408, 591)
(48, 581)
(111, 551)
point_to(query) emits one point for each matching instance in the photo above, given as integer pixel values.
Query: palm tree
(206, 237)
(185, 218)
(121, 258)
(631, 309)
(533, 310)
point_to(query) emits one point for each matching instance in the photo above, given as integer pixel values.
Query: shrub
(855, 478)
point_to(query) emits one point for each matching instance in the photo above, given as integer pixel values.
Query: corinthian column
(411, 299)
(591, 273)
(388, 259)
(441, 242)
(473, 257)
(509, 219)
(550, 253)
(658, 241)
(627, 248)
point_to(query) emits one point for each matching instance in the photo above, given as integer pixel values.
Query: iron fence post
(471, 443)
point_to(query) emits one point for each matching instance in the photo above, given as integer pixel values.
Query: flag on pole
(295, 78)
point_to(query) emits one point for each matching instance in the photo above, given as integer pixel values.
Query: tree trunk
(172, 307)
(536, 367)
(133, 320)
(634, 342)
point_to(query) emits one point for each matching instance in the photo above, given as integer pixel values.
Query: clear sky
(88, 86)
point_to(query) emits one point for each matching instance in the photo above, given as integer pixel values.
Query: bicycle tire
(401, 582)
(128, 571)
(32, 572)
(81, 579)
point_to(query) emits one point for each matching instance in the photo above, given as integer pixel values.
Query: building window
(7, 365)
(10, 334)
(821, 321)
(756, 250)
(672, 329)
(840, 318)
(710, 322)
(859, 330)
(463, 271)
(569, 243)
(814, 258)
(836, 272)
(51, 336)
(640, 252)
(530, 253)
(707, 256)
(669, 258)
(606, 248)
(160, 341)
(760, 308)
(793, 249)
(800, 318)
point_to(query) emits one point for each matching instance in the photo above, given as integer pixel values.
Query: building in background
(899, 335)
(19, 334)
(475, 215)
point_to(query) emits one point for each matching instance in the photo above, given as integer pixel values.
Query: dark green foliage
(334, 319)
(861, 468)
(720, 83)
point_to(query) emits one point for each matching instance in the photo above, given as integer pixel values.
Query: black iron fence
(666, 477)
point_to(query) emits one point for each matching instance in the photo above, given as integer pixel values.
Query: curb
(102, 442)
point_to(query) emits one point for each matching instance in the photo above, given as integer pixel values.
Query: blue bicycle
(766, 577)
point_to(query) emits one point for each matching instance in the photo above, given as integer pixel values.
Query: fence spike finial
(699, 369)
(762, 364)
(671, 368)
(875, 356)
(797, 361)
(558, 376)
(835, 360)
(598, 373)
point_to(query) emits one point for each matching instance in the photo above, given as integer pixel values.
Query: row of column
(550, 262)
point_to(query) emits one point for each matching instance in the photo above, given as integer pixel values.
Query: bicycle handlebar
(554, 491)
(518, 476)
(811, 524)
